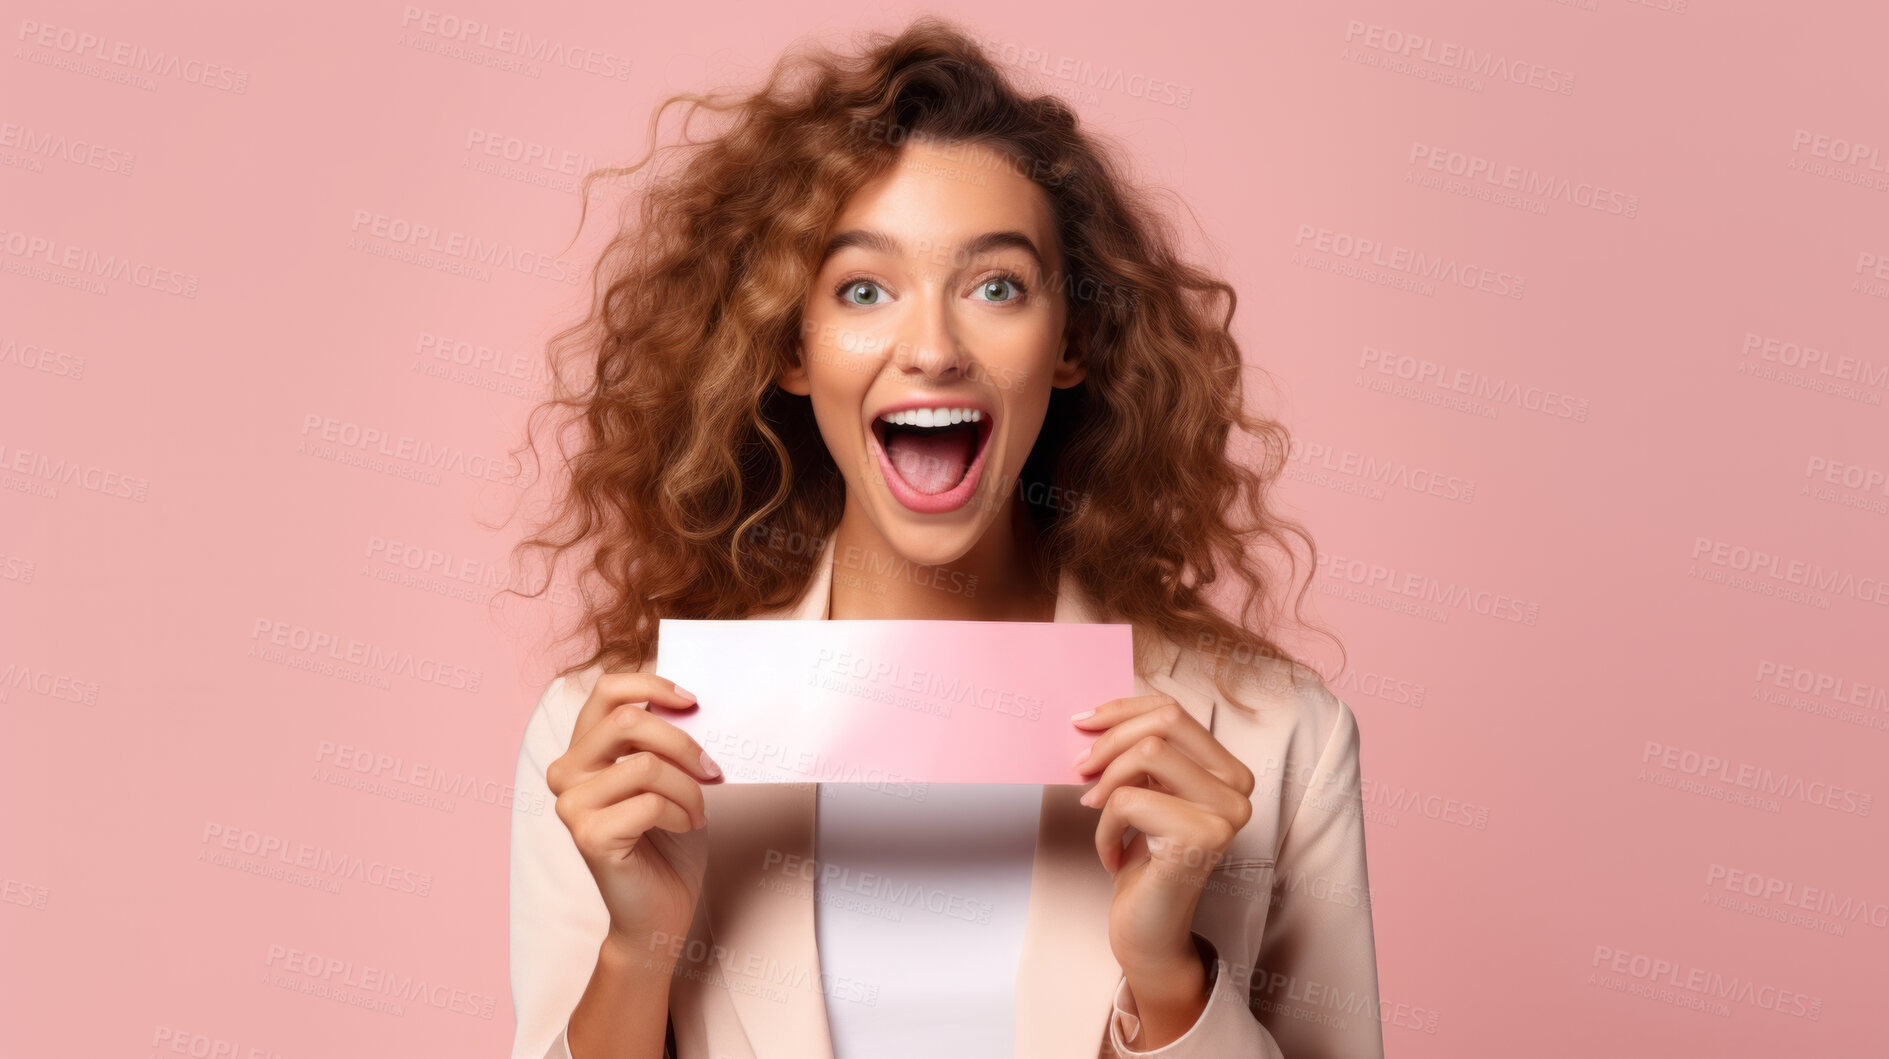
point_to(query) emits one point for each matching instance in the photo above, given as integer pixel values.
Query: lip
(958, 495)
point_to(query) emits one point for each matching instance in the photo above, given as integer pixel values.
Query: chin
(929, 545)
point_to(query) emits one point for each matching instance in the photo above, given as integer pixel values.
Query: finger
(635, 774)
(628, 729)
(616, 829)
(632, 728)
(1155, 758)
(1134, 852)
(1116, 710)
(1178, 727)
(614, 689)
(1176, 828)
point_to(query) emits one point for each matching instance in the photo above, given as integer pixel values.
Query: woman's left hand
(1168, 778)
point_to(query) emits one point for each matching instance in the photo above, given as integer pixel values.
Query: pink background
(1550, 602)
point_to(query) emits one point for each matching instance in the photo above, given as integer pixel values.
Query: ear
(1071, 368)
(794, 380)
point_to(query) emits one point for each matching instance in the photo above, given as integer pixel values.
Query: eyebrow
(873, 239)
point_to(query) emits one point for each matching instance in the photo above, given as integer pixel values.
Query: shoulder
(1282, 697)
(1294, 732)
(548, 730)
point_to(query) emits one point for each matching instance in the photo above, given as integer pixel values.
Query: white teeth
(932, 417)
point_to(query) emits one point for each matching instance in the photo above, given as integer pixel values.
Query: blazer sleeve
(1312, 993)
(558, 918)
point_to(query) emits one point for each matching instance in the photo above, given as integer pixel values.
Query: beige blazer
(1286, 916)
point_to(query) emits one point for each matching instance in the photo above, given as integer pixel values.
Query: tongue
(931, 462)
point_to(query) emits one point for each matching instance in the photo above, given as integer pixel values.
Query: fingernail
(1083, 714)
(1086, 796)
(710, 767)
(1084, 756)
(686, 693)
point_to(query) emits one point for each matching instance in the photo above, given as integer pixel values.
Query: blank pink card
(894, 701)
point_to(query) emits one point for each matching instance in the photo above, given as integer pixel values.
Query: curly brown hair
(684, 444)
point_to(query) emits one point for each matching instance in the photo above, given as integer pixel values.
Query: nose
(929, 344)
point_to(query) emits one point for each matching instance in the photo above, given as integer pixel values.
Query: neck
(997, 580)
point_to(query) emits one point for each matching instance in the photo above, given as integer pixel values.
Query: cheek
(830, 412)
(1026, 423)
(838, 399)
(1022, 360)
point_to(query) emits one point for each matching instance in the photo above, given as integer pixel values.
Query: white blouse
(919, 909)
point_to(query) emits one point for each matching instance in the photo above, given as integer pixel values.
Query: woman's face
(930, 340)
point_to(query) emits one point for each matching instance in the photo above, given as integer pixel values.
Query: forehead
(942, 195)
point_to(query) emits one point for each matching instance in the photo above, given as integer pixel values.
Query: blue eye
(996, 287)
(858, 286)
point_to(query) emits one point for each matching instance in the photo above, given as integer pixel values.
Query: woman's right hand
(628, 791)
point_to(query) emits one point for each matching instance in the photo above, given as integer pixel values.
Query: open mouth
(931, 457)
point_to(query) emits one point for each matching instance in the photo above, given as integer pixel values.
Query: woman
(899, 342)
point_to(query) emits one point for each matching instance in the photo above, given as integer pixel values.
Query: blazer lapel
(764, 934)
